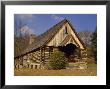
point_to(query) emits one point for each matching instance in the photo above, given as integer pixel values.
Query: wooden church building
(60, 37)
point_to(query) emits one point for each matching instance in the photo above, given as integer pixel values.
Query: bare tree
(22, 35)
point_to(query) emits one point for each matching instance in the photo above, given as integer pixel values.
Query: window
(35, 66)
(66, 32)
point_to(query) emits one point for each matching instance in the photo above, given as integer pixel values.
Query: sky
(39, 23)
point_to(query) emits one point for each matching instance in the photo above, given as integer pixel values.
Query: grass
(92, 66)
(90, 71)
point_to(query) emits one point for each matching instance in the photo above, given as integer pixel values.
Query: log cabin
(60, 37)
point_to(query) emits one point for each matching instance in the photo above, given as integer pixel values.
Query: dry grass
(91, 71)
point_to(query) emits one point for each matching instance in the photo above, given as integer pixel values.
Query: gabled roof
(44, 38)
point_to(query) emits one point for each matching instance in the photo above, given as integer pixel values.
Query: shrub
(58, 61)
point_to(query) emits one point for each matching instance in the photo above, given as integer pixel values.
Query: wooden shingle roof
(44, 38)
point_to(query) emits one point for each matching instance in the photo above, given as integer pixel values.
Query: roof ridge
(64, 20)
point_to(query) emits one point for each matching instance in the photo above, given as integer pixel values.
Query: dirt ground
(66, 72)
(90, 71)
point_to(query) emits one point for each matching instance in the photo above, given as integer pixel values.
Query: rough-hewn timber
(39, 51)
